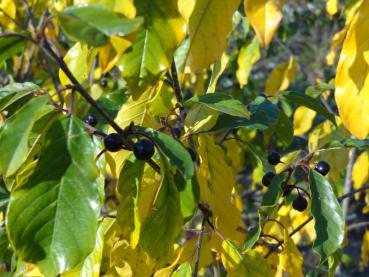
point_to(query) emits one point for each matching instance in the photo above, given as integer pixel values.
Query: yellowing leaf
(76, 60)
(290, 260)
(7, 13)
(249, 54)
(200, 119)
(208, 27)
(218, 68)
(365, 249)
(280, 77)
(303, 120)
(111, 52)
(216, 181)
(332, 7)
(360, 171)
(337, 40)
(162, 103)
(130, 262)
(237, 263)
(264, 17)
(351, 83)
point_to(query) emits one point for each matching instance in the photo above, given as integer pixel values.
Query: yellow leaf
(280, 77)
(351, 83)
(110, 53)
(200, 119)
(216, 181)
(210, 21)
(218, 69)
(264, 17)
(8, 11)
(76, 60)
(360, 171)
(130, 262)
(365, 249)
(249, 54)
(332, 7)
(337, 40)
(237, 263)
(162, 103)
(290, 260)
(303, 120)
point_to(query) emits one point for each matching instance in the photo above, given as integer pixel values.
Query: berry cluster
(299, 203)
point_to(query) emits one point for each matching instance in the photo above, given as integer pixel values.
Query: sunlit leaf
(210, 21)
(15, 133)
(93, 24)
(351, 92)
(264, 17)
(153, 48)
(281, 77)
(63, 206)
(303, 120)
(249, 54)
(360, 171)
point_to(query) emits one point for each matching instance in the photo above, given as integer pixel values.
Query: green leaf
(284, 129)
(155, 43)
(93, 24)
(91, 265)
(220, 102)
(317, 90)
(52, 218)
(329, 222)
(264, 115)
(253, 235)
(274, 191)
(164, 222)
(311, 103)
(128, 187)
(10, 46)
(11, 93)
(4, 243)
(189, 194)
(15, 134)
(350, 142)
(184, 270)
(176, 154)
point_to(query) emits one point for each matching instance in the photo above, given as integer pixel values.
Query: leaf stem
(198, 246)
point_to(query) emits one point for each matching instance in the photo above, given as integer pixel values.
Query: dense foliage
(184, 137)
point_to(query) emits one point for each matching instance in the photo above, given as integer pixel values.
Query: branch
(351, 193)
(198, 247)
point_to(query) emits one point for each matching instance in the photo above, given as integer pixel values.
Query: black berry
(274, 158)
(113, 142)
(300, 203)
(143, 149)
(192, 154)
(267, 178)
(103, 83)
(322, 167)
(91, 119)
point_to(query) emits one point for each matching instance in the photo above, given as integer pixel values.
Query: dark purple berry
(267, 178)
(274, 158)
(143, 149)
(103, 83)
(113, 142)
(300, 203)
(322, 167)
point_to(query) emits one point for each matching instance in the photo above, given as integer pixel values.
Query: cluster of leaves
(136, 136)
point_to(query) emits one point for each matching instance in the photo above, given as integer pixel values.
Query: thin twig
(198, 247)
